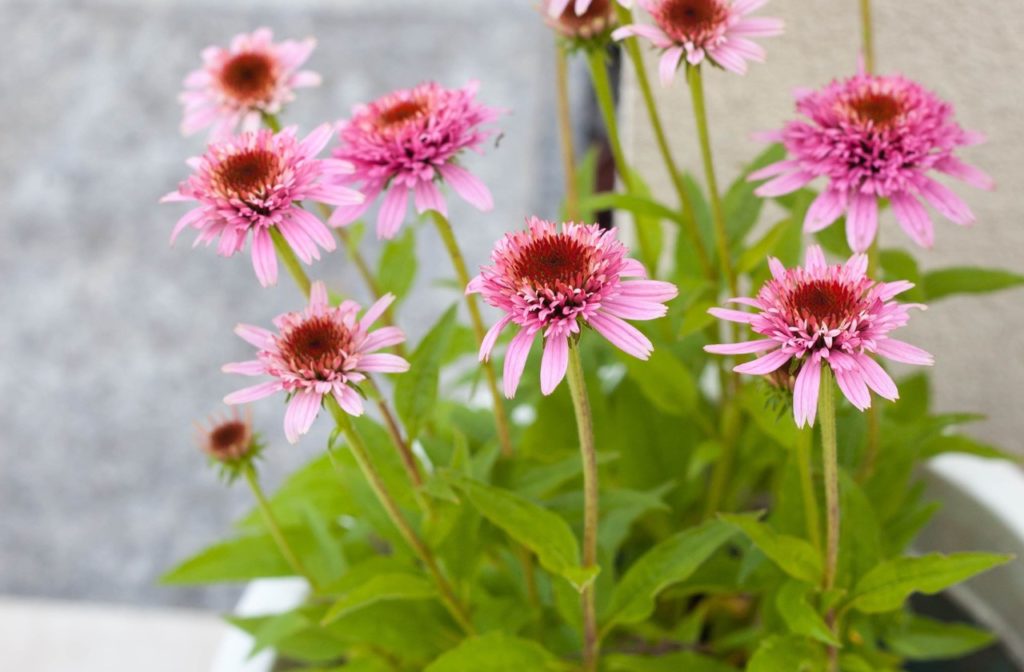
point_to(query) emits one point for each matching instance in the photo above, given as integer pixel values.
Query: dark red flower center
(227, 435)
(249, 78)
(826, 302)
(402, 113)
(881, 109)
(317, 346)
(248, 174)
(691, 18)
(552, 260)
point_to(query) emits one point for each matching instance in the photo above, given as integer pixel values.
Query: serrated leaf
(379, 588)
(787, 654)
(922, 638)
(968, 280)
(540, 530)
(671, 561)
(888, 585)
(397, 267)
(800, 617)
(496, 652)
(792, 555)
(416, 389)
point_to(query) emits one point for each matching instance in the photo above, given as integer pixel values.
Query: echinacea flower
(699, 30)
(825, 314)
(253, 182)
(407, 142)
(584, 21)
(229, 439)
(322, 350)
(874, 137)
(238, 85)
(552, 282)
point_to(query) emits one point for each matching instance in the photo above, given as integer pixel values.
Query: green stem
(444, 228)
(868, 33)
(720, 477)
(588, 453)
(661, 139)
(418, 547)
(290, 556)
(606, 103)
(286, 254)
(700, 114)
(827, 417)
(572, 196)
(804, 442)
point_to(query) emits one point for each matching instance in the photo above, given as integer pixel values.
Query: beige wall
(971, 54)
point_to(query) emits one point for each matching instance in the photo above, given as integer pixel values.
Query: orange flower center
(881, 109)
(248, 174)
(402, 113)
(249, 78)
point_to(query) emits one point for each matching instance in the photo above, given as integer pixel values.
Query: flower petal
(622, 335)
(383, 363)
(301, 413)
(766, 364)
(554, 363)
(491, 337)
(515, 360)
(861, 221)
(468, 186)
(252, 393)
(805, 392)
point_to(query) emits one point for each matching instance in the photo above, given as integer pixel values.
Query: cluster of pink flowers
(548, 282)
(874, 137)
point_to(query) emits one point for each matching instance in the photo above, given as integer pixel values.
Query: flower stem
(572, 196)
(868, 33)
(804, 441)
(287, 255)
(444, 228)
(827, 417)
(676, 175)
(588, 453)
(606, 103)
(418, 547)
(700, 114)
(290, 556)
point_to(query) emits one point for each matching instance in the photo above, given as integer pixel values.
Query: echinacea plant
(664, 509)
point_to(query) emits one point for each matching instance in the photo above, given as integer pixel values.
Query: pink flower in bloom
(407, 142)
(548, 281)
(322, 350)
(874, 137)
(252, 182)
(718, 30)
(821, 313)
(238, 85)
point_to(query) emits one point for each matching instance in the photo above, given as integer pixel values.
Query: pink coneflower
(238, 85)
(407, 142)
(717, 30)
(228, 439)
(821, 313)
(874, 137)
(322, 350)
(556, 8)
(586, 20)
(254, 181)
(546, 280)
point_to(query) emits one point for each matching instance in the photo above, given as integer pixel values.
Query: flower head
(874, 137)
(322, 350)
(254, 76)
(230, 442)
(253, 182)
(549, 281)
(407, 142)
(583, 21)
(823, 313)
(699, 30)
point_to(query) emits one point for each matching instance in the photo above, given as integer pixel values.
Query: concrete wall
(969, 53)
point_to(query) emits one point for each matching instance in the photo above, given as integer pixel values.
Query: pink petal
(969, 174)
(318, 301)
(946, 202)
(554, 363)
(255, 336)
(648, 290)
(747, 6)
(725, 56)
(384, 363)
(744, 348)
(349, 400)
(851, 384)
(876, 378)
(777, 269)
(731, 315)
(557, 8)
(392, 211)
(188, 219)
(913, 218)
(314, 228)
(861, 221)
(668, 65)
(346, 214)
(299, 241)
(376, 310)
(247, 394)
(898, 351)
(301, 413)
(515, 360)
(264, 257)
(253, 367)
(652, 33)
(428, 197)
(773, 169)
(492, 337)
(784, 184)
(815, 258)
(317, 139)
(762, 365)
(825, 210)
(468, 186)
(622, 335)
(805, 392)
(758, 27)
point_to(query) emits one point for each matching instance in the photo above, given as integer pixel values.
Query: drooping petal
(253, 393)
(349, 400)
(861, 221)
(668, 65)
(253, 367)
(428, 197)
(491, 337)
(554, 362)
(302, 411)
(805, 392)
(824, 210)
(264, 258)
(652, 33)
(876, 378)
(913, 218)
(468, 186)
(898, 351)
(731, 315)
(764, 365)
(392, 211)
(851, 384)
(622, 335)
(744, 348)
(256, 336)
(383, 363)
(943, 199)
(515, 360)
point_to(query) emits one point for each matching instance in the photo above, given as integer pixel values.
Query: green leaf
(787, 654)
(416, 390)
(741, 205)
(397, 267)
(958, 443)
(793, 555)
(674, 662)
(671, 561)
(968, 280)
(925, 639)
(833, 238)
(543, 532)
(395, 586)
(665, 381)
(496, 652)
(757, 254)
(800, 617)
(697, 317)
(888, 585)
(240, 559)
(639, 206)
(621, 508)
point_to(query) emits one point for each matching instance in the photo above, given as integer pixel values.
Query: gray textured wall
(969, 53)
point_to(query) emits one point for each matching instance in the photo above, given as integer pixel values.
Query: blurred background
(112, 340)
